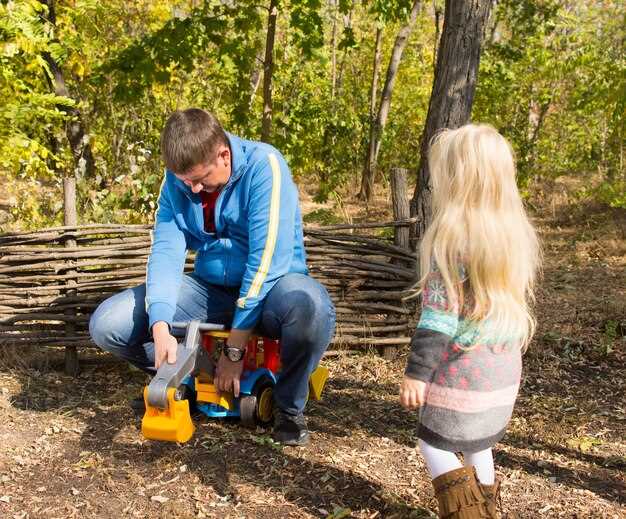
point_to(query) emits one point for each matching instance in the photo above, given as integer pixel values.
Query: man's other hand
(165, 345)
(227, 375)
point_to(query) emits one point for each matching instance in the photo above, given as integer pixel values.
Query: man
(235, 203)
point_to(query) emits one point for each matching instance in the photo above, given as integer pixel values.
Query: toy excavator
(189, 382)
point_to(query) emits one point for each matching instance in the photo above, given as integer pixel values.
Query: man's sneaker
(289, 429)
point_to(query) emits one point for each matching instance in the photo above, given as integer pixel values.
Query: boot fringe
(459, 496)
(492, 498)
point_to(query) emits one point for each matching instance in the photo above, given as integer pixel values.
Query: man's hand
(412, 393)
(239, 338)
(165, 345)
(227, 375)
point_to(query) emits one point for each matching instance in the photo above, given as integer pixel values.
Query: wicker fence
(51, 280)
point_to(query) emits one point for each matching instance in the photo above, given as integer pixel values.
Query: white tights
(439, 462)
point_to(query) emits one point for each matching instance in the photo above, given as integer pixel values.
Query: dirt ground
(73, 448)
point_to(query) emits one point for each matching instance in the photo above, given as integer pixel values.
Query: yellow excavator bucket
(172, 424)
(317, 382)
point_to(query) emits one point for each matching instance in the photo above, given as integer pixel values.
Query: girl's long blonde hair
(479, 226)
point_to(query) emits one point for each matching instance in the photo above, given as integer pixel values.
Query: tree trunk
(436, 42)
(75, 130)
(255, 77)
(374, 86)
(536, 117)
(369, 172)
(494, 35)
(333, 51)
(366, 187)
(347, 23)
(70, 218)
(268, 70)
(401, 210)
(453, 90)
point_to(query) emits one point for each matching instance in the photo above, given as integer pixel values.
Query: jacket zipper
(199, 212)
(216, 215)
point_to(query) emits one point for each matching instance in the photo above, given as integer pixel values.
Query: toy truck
(187, 383)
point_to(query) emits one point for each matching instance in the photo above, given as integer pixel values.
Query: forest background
(86, 87)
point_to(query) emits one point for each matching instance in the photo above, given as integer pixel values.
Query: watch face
(234, 354)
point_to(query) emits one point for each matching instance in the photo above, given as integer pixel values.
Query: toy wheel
(184, 392)
(257, 408)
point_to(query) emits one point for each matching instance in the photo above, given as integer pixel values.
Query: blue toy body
(246, 388)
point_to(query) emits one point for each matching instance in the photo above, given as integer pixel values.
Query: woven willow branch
(44, 285)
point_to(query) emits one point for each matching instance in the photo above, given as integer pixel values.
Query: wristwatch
(234, 354)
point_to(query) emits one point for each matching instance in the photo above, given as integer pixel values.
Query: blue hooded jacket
(258, 236)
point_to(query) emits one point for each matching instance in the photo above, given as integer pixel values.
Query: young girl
(478, 260)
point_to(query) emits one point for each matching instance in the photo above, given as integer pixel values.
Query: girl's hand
(412, 393)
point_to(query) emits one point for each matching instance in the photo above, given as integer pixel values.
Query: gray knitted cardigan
(473, 377)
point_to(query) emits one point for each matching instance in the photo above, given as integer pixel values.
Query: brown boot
(459, 495)
(492, 499)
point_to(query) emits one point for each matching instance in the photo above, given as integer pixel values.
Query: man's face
(209, 176)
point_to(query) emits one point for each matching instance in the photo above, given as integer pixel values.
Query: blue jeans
(297, 310)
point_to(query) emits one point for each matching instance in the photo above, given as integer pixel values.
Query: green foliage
(29, 114)
(339, 512)
(390, 10)
(221, 39)
(609, 336)
(307, 25)
(610, 192)
(322, 216)
(551, 78)
(154, 59)
(386, 233)
(553, 83)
